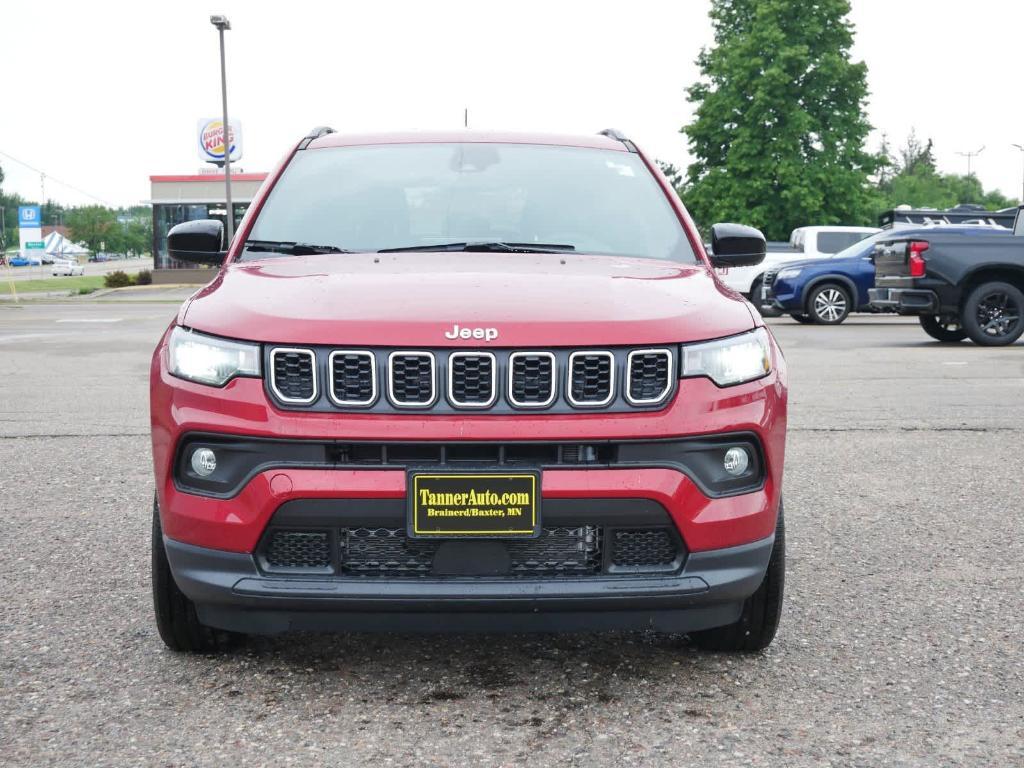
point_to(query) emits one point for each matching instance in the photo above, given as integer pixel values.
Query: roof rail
(617, 135)
(316, 133)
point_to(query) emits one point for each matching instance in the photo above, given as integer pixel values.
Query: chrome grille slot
(412, 380)
(353, 377)
(531, 382)
(591, 379)
(293, 375)
(472, 379)
(649, 376)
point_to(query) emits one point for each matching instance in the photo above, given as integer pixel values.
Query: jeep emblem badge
(487, 334)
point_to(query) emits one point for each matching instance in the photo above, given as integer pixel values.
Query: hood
(414, 299)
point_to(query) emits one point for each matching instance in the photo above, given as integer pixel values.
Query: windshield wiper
(486, 247)
(291, 248)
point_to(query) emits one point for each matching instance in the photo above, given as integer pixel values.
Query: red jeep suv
(467, 381)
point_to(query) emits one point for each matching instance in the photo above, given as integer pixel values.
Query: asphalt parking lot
(901, 642)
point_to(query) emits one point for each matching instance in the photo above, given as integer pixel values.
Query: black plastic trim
(230, 593)
(662, 453)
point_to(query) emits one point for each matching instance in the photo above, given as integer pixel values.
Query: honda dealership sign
(211, 140)
(30, 232)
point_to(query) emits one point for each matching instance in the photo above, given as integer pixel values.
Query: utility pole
(970, 156)
(222, 24)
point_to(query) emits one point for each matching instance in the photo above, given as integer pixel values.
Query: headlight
(787, 274)
(210, 360)
(733, 360)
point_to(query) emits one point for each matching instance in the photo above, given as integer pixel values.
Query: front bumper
(904, 300)
(232, 593)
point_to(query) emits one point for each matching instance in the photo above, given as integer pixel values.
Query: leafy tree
(93, 225)
(919, 184)
(779, 130)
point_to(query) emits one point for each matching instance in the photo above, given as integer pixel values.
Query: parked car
(804, 243)
(24, 261)
(68, 268)
(826, 291)
(478, 380)
(100, 257)
(959, 286)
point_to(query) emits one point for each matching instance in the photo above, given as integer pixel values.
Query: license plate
(474, 504)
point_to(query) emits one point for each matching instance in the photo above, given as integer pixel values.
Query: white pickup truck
(804, 243)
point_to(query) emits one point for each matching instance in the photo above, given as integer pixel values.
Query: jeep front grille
(591, 378)
(411, 379)
(532, 379)
(472, 379)
(649, 377)
(293, 375)
(450, 381)
(353, 377)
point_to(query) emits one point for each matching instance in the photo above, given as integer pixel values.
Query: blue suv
(827, 290)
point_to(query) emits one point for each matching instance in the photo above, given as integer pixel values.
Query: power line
(54, 178)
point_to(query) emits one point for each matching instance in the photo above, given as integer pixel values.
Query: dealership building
(189, 197)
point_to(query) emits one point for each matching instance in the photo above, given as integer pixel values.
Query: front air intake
(591, 380)
(412, 379)
(293, 375)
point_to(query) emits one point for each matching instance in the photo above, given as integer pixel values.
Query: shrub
(117, 279)
(143, 277)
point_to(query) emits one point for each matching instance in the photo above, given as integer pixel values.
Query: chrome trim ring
(273, 376)
(668, 379)
(611, 380)
(554, 379)
(373, 378)
(494, 379)
(391, 379)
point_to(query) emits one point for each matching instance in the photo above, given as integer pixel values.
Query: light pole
(970, 156)
(222, 24)
(1021, 148)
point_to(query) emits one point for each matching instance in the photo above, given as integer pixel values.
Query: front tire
(943, 329)
(176, 618)
(829, 304)
(759, 620)
(993, 314)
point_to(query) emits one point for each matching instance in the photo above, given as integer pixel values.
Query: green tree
(918, 183)
(94, 225)
(779, 130)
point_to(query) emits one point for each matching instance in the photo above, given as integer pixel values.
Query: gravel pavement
(901, 642)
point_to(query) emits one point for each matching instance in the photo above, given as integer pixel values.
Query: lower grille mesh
(577, 550)
(299, 549)
(388, 552)
(643, 547)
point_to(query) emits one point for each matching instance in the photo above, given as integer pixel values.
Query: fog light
(204, 462)
(735, 463)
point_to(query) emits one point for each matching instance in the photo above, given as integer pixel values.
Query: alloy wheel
(998, 313)
(830, 304)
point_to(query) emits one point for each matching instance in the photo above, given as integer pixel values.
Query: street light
(222, 24)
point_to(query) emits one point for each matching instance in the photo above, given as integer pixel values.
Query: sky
(101, 95)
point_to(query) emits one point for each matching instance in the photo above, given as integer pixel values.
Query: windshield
(396, 196)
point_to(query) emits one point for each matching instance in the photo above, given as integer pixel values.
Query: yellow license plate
(474, 504)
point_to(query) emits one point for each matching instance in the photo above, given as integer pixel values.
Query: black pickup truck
(958, 286)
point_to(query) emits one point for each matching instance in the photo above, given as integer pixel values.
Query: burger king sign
(211, 140)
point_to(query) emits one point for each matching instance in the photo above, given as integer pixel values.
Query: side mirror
(197, 242)
(736, 245)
